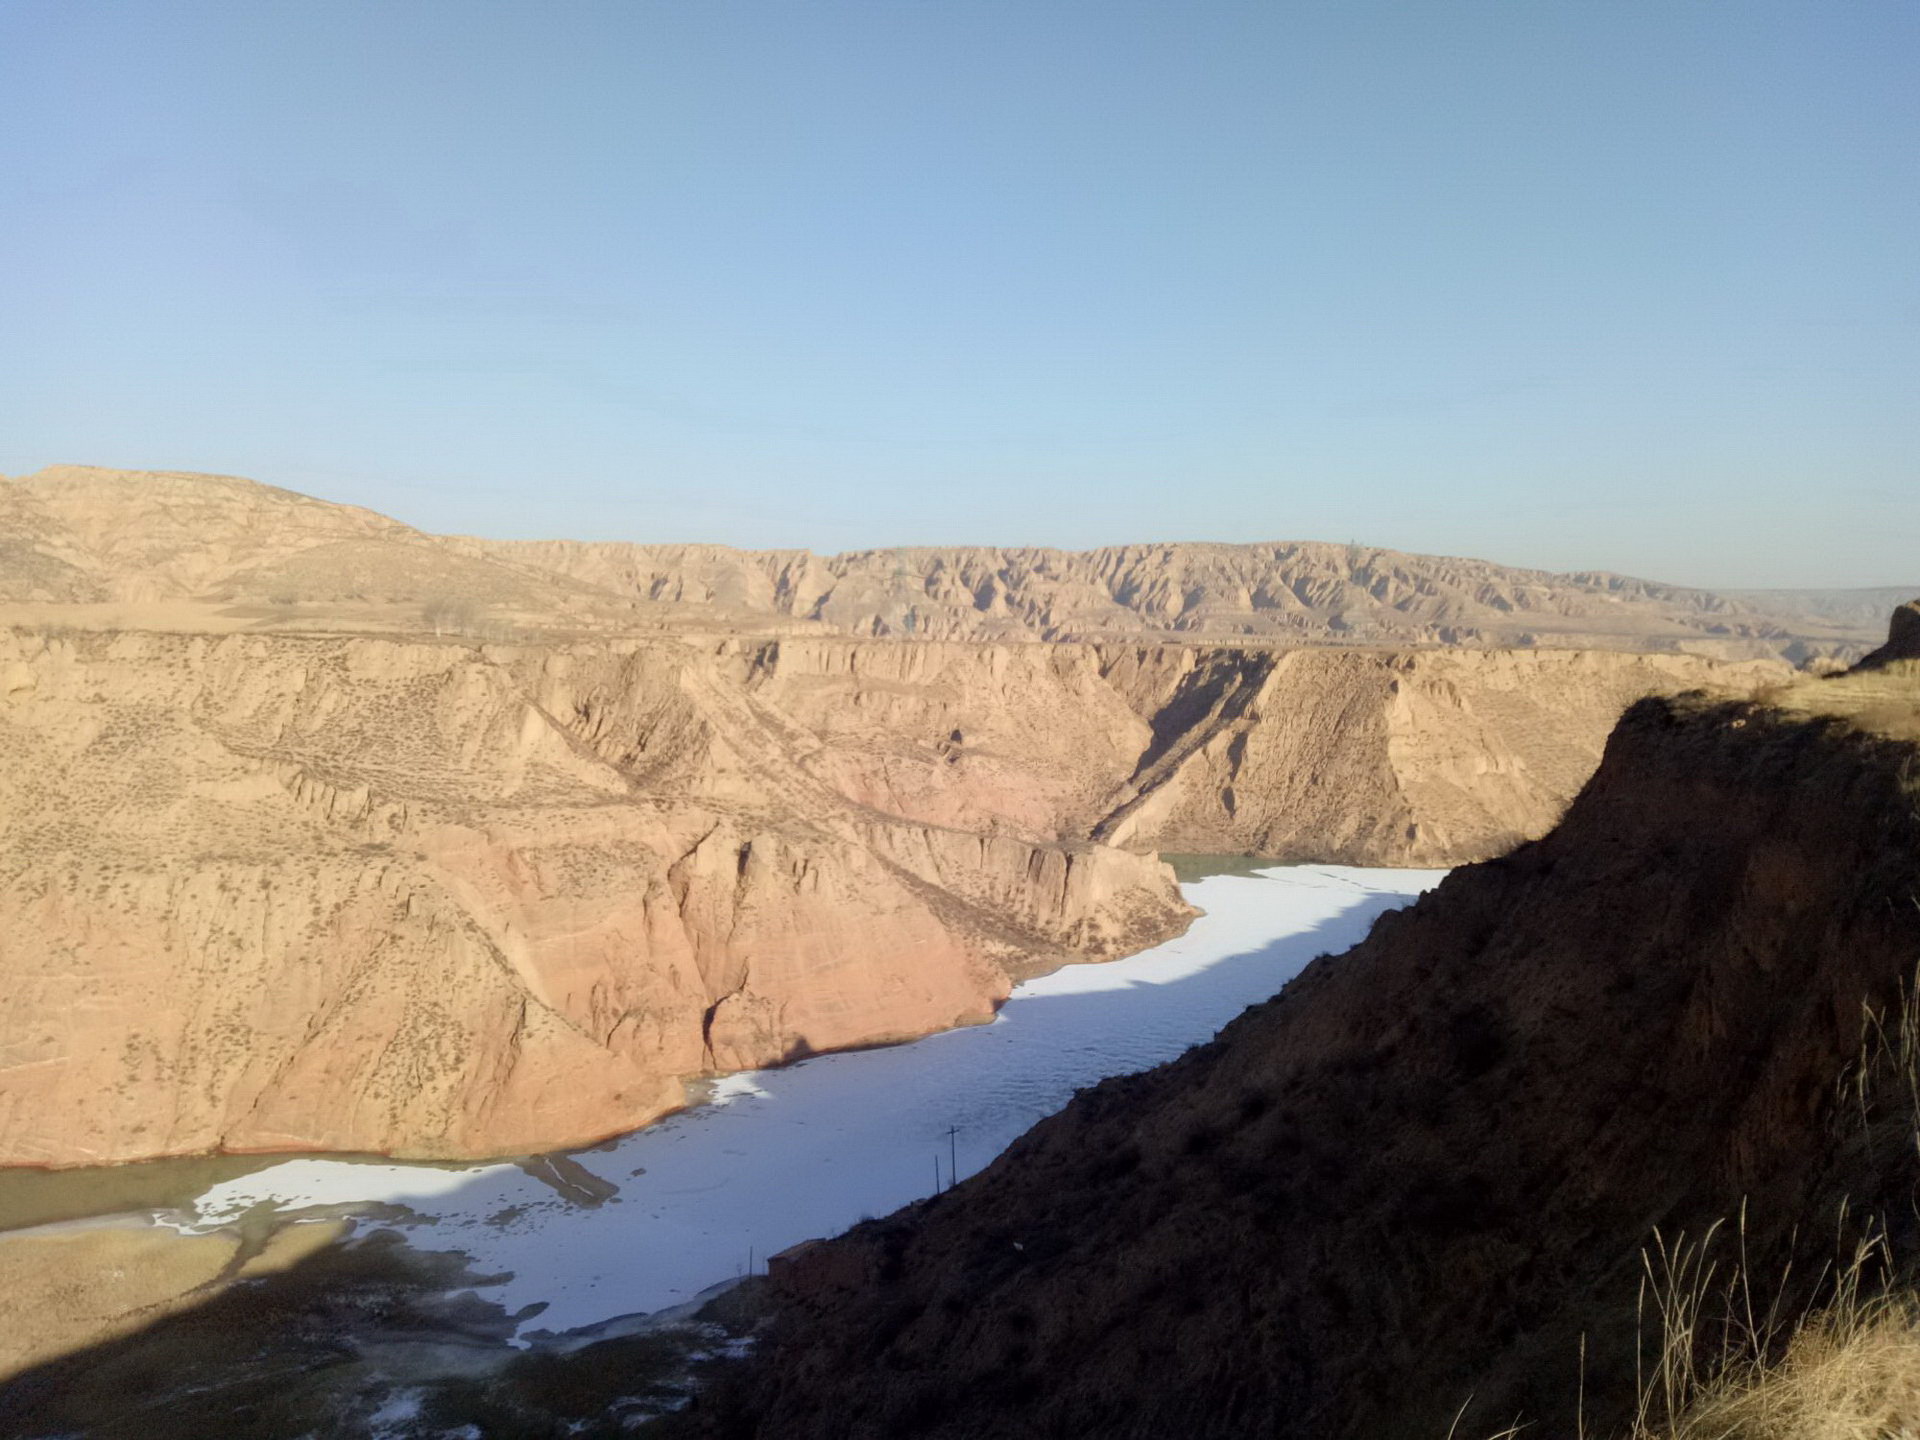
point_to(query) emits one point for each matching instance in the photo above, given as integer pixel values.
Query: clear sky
(1625, 284)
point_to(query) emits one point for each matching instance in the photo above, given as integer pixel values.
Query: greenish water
(1189, 868)
(41, 1197)
(44, 1197)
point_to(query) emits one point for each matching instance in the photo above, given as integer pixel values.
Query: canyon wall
(1288, 593)
(1413, 1190)
(263, 893)
(293, 859)
(356, 893)
(1372, 757)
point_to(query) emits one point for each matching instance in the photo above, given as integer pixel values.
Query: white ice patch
(730, 1088)
(705, 1193)
(392, 1420)
(308, 1182)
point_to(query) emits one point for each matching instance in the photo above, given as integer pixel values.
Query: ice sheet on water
(781, 1156)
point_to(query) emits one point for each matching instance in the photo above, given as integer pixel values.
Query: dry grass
(1884, 701)
(1848, 1371)
(1721, 1362)
(1851, 1372)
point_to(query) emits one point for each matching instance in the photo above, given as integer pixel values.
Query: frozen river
(780, 1156)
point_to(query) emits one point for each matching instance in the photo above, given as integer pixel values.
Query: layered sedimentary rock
(1296, 592)
(1359, 756)
(76, 534)
(351, 894)
(1413, 1191)
(266, 892)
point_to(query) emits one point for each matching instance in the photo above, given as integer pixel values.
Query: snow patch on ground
(393, 1419)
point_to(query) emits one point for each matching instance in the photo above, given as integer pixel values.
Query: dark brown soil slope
(1903, 639)
(1429, 1166)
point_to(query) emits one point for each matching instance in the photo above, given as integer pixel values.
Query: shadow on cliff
(321, 1348)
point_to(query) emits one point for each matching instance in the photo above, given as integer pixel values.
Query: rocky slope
(76, 534)
(73, 535)
(1414, 1189)
(1358, 756)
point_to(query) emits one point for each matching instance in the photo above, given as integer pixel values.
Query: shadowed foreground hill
(1418, 1177)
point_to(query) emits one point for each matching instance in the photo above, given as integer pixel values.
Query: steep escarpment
(1420, 1179)
(1367, 757)
(288, 867)
(272, 893)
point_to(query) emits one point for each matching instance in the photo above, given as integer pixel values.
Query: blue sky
(1611, 284)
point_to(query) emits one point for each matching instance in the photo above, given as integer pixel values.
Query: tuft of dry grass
(1882, 702)
(1851, 1372)
(1723, 1368)
(1848, 1371)
(1718, 1364)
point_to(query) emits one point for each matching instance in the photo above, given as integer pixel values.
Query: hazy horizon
(1623, 287)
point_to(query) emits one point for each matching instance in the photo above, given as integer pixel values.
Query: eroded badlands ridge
(1413, 1190)
(1290, 593)
(358, 893)
(78, 536)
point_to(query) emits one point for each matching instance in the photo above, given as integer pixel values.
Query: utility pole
(953, 1156)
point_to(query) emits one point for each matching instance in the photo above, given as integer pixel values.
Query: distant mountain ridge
(72, 534)
(1301, 592)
